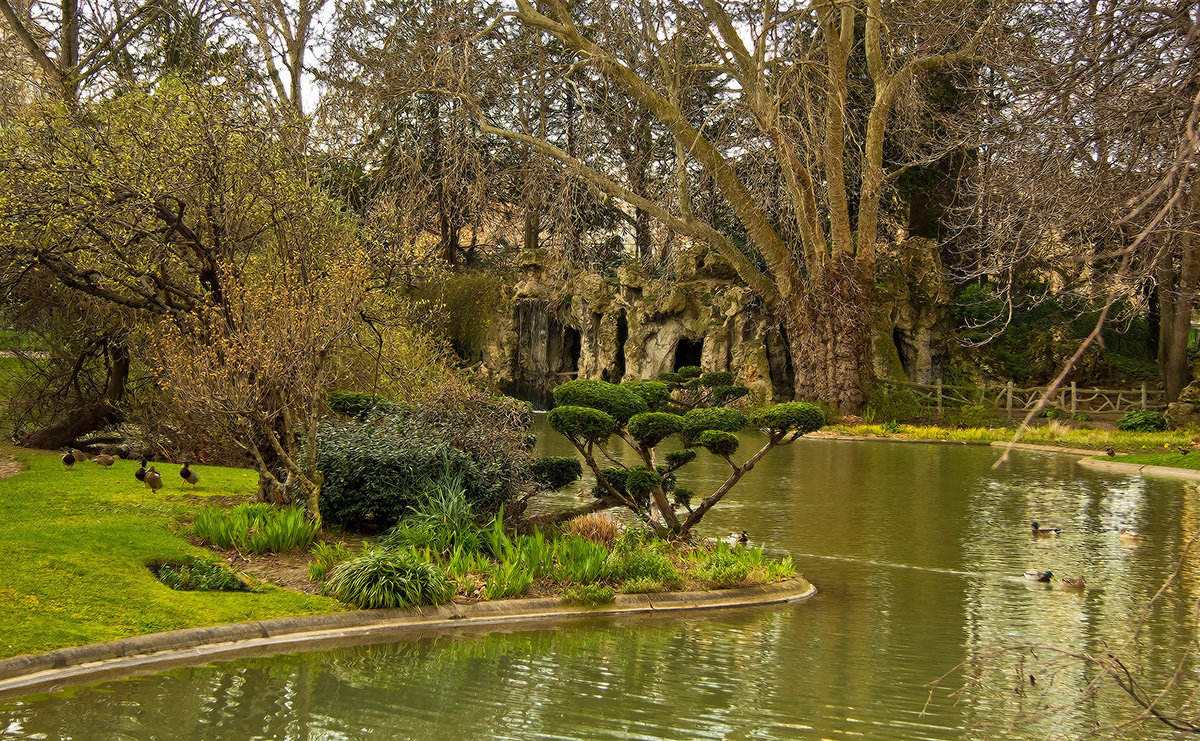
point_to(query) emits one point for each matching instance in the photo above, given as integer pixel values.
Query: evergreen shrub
(1142, 420)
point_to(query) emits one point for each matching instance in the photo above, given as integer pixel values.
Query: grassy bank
(1056, 434)
(75, 545)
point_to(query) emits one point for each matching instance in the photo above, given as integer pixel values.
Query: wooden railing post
(1143, 395)
(1008, 392)
(1074, 399)
(939, 397)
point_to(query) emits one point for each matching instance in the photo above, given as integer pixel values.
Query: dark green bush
(680, 458)
(697, 421)
(384, 578)
(652, 428)
(555, 471)
(583, 423)
(614, 476)
(716, 379)
(640, 481)
(726, 394)
(719, 443)
(617, 400)
(1142, 420)
(688, 372)
(359, 405)
(376, 470)
(656, 394)
(1051, 412)
(1142, 370)
(798, 416)
(589, 594)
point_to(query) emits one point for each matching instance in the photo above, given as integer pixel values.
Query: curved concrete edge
(1046, 448)
(148, 653)
(1186, 474)
(909, 440)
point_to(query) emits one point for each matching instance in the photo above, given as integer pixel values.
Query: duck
(733, 539)
(1045, 532)
(104, 459)
(140, 474)
(1129, 534)
(153, 479)
(188, 475)
(1035, 575)
(1071, 582)
(1182, 450)
(68, 460)
(79, 454)
(1110, 452)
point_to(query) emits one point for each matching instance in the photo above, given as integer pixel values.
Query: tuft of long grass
(386, 578)
(327, 556)
(594, 526)
(255, 528)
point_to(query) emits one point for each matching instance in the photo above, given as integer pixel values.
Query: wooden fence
(1069, 397)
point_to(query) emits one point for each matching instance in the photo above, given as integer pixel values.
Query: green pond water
(918, 551)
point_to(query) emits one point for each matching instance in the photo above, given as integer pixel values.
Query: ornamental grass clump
(387, 578)
(326, 557)
(255, 528)
(594, 526)
(199, 577)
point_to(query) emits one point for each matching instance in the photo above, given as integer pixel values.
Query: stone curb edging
(30, 672)
(1186, 474)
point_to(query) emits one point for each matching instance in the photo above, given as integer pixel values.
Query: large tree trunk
(828, 327)
(1177, 299)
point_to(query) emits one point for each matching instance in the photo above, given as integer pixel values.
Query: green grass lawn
(74, 547)
(1172, 459)
(1060, 435)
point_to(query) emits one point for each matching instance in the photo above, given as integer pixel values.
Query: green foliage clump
(326, 557)
(1051, 412)
(583, 423)
(679, 458)
(375, 471)
(726, 394)
(469, 301)
(1142, 420)
(255, 528)
(361, 406)
(640, 482)
(719, 443)
(973, 415)
(688, 372)
(792, 416)
(697, 421)
(656, 394)
(617, 400)
(200, 577)
(642, 564)
(579, 561)
(555, 471)
(614, 476)
(442, 520)
(387, 578)
(589, 594)
(721, 568)
(716, 379)
(652, 428)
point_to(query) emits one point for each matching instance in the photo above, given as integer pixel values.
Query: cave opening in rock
(688, 352)
(622, 337)
(572, 348)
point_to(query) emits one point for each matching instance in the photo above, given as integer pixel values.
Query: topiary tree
(591, 413)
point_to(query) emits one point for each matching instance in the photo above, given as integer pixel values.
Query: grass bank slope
(74, 547)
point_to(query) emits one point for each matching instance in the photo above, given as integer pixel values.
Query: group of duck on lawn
(1067, 582)
(147, 475)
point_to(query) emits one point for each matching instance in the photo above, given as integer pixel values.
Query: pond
(918, 551)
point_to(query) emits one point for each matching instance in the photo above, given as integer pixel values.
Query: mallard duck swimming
(1071, 582)
(733, 539)
(188, 475)
(1035, 575)
(1129, 534)
(1045, 532)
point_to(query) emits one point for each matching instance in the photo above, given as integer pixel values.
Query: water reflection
(918, 551)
